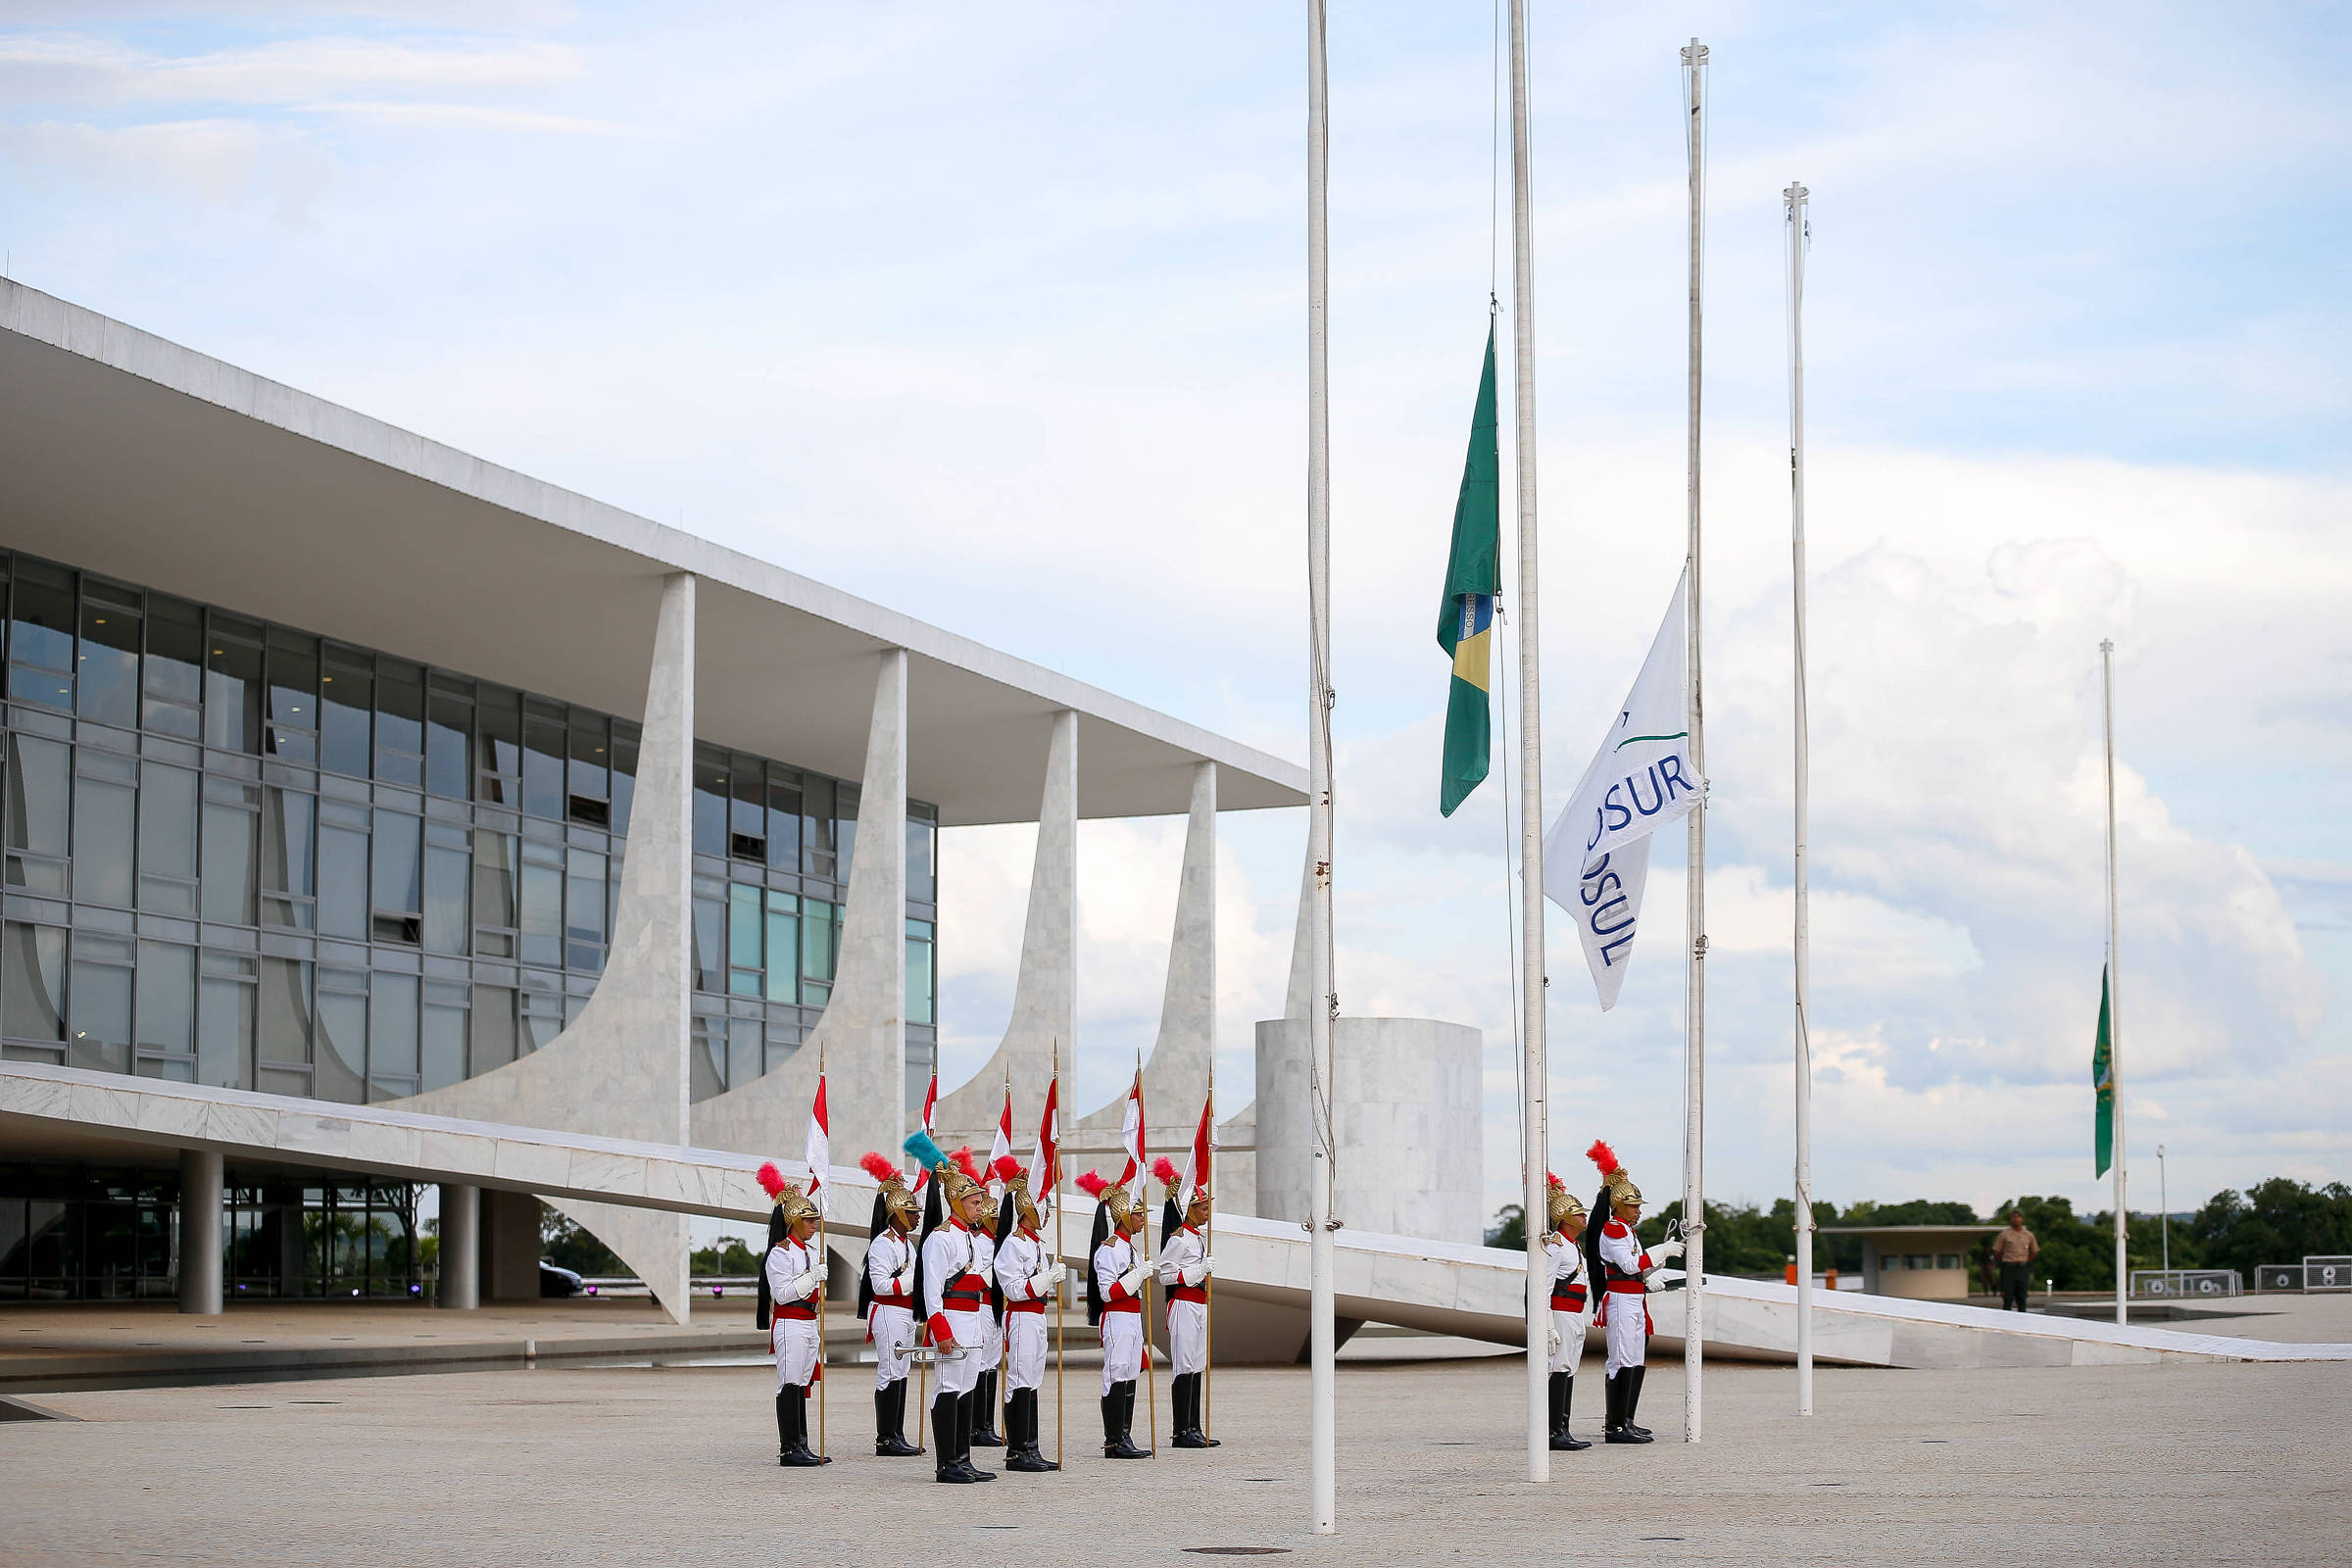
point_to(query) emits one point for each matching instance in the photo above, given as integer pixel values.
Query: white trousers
(1122, 1347)
(893, 1338)
(1629, 1333)
(958, 1374)
(1187, 1336)
(994, 1356)
(795, 1343)
(1570, 1327)
(1025, 1338)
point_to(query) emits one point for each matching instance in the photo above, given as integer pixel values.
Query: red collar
(959, 1224)
(1190, 1230)
(1030, 1234)
(1615, 1226)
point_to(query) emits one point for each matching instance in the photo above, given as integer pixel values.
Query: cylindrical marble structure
(200, 1230)
(461, 1246)
(1408, 1108)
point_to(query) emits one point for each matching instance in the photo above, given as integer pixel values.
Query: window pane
(108, 680)
(448, 870)
(746, 1051)
(288, 821)
(228, 846)
(542, 1019)
(495, 879)
(103, 812)
(33, 982)
(920, 980)
(820, 938)
(347, 702)
(233, 692)
(783, 946)
(707, 1058)
(543, 767)
(398, 855)
(589, 776)
(284, 1011)
(783, 820)
(922, 877)
(41, 637)
(443, 1053)
(498, 718)
(493, 1027)
(710, 934)
(294, 696)
(449, 744)
(541, 925)
(167, 997)
(392, 1036)
(845, 833)
(175, 663)
(399, 722)
(224, 1018)
(743, 926)
(816, 826)
(167, 836)
(747, 819)
(584, 906)
(342, 882)
(100, 1001)
(624, 773)
(710, 802)
(342, 1040)
(40, 777)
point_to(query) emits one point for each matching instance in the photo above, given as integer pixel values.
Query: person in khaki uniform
(2015, 1250)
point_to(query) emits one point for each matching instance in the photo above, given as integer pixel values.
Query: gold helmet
(891, 1191)
(1621, 1188)
(790, 1201)
(1125, 1211)
(1560, 1205)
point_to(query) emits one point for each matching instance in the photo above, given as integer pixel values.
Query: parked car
(556, 1281)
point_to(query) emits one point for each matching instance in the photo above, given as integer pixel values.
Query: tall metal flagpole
(1323, 1488)
(1535, 1130)
(1142, 1156)
(1794, 197)
(824, 1260)
(1208, 1308)
(1694, 1204)
(1061, 1344)
(2115, 984)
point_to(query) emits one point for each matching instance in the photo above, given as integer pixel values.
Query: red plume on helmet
(1092, 1183)
(969, 1163)
(771, 1180)
(1603, 1156)
(1005, 1168)
(1553, 1177)
(1164, 1169)
(878, 1167)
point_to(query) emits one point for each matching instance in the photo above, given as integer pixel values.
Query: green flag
(1466, 619)
(2102, 1082)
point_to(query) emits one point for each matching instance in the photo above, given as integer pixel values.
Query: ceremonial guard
(1184, 1271)
(1564, 1221)
(1115, 1302)
(1027, 1277)
(790, 1276)
(1626, 1274)
(992, 1350)
(954, 1298)
(886, 1301)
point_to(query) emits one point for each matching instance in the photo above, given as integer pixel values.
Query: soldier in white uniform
(790, 1277)
(1628, 1274)
(992, 1350)
(1114, 1300)
(1564, 1218)
(1027, 1277)
(1184, 1271)
(886, 1299)
(954, 1298)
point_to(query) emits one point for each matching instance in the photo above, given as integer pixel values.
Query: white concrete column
(862, 1039)
(1045, 994)
(620, 1069)
(200, 1207)
(461, 1246)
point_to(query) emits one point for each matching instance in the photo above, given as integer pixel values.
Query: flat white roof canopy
(134, 458)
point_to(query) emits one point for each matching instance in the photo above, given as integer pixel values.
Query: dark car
(555, 1280)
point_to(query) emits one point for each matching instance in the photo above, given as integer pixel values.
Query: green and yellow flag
(1466, 619)
(2102, 1083)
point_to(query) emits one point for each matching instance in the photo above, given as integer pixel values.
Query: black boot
(1121, 1405)
(1563, 1385)
(1020, 1418)
(984, 1414)
(1110, 1422)
(1613, 1428)
(890, 1423)
(949, 1466)
(1633, 1401)
(784, 1415)
(969, 1417)
(792, 1411)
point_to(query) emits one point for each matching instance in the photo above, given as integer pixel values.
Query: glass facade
(244, 855)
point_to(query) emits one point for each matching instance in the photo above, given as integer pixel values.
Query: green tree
(2277, 1221)
(727, 1257)
(566, 1245)
(1509, 1230)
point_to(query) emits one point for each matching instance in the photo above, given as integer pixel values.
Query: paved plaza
(571, 1463)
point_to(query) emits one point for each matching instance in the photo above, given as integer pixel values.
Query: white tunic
(1123, 1325)
(1567, 1276)
(890, 1271)
(947, 1258)
(1624, 1315)
(1183, 1269)
(1021, 1264)
(793, 1332)
(984, 1264)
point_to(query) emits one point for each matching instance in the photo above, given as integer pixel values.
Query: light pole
(2164, 1209)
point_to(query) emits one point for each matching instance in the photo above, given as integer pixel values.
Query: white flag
(1596, 855)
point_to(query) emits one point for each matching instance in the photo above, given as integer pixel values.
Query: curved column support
(1045, 994)
(1176, 1073)
(862, 1039)
(619, 1070)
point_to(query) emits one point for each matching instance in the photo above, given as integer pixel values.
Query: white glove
(1209, 1265)
(1552, 1342)
(1195, 1274)
(1132, 1282)
(1053, 1277)
(1666, 1251)
(1654, 1279)
(808, 1283)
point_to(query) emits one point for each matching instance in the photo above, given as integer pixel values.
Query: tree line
(2277, 1221)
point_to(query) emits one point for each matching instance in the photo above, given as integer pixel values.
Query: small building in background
(1921, 1262)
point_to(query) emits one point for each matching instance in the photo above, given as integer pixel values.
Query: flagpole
(1062, 1343)
(1142, 1154)
(824, 1261)
(1208, 1306)
(1323, 1490)
(2115, 985)
(1534, 1125)
(1694, 1202)
(1795, 197)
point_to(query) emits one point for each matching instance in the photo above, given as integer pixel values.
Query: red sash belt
(797, 1311)
(906, 1301)
(1187, 1293)
(1570, 1300)
(1628, 1288)
(1126, 1304)
(1038, 1307)
(965, 1292)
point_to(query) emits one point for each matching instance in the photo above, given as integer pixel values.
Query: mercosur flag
(1596, 855)
(2102, 1087)
(1466, 617)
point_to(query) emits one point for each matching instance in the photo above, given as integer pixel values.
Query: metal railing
(2184, 1284)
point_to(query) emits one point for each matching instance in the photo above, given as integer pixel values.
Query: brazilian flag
(2102, 1084)
(1466, 619)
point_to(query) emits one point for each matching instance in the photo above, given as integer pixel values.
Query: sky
(996, 315)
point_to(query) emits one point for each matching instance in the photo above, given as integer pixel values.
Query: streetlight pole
(2165, 1209)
